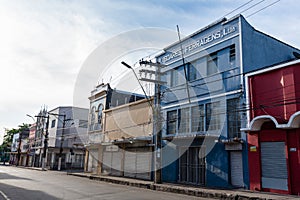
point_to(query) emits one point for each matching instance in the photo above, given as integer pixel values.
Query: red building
(274, 128)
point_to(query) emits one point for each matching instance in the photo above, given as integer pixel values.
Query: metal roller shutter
(137, 163)
(106, 162)
(130, 164)
(274, 167)
(143, 164)
(236, 164)
(116, 163)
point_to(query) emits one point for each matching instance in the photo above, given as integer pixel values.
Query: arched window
(93, 115)
(100, 109)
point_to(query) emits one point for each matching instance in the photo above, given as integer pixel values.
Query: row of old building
(63, 129)
(229, 108)
(229, 116)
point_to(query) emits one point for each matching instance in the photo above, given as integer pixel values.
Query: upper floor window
(233, 118)
(53, 123)
(171, 122)
(232, 53)
(184, 120)
(197, 117)
(212, 64)
(213, 116)
(177, 76)
(100, 109)
(93, 115)
(192, 72)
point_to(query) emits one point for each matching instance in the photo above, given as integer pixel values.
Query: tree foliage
(8, 137)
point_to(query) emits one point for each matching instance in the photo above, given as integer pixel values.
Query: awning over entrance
(257, 122)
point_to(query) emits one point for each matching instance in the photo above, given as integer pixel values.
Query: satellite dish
(296, 54)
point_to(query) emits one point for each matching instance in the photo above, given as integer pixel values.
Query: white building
(67, 135)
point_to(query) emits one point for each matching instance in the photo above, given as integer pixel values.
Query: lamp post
(45, 143)
(31, 117)
(129, 67)
(156, 115)
(61, 142)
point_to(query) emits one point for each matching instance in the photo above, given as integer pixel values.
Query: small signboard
(112, 148)
(253, 148)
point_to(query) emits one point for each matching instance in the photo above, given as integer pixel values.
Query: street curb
(33, 168)
(197, 192)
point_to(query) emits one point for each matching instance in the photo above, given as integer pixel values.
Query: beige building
(122, 143)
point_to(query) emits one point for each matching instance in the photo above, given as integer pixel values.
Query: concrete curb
(183, 189)
(186, 190)
(33, 168)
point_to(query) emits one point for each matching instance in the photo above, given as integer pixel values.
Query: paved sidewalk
(236, 194)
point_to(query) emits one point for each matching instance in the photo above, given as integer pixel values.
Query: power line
(238, 8)
(263, 8)
(252, 6)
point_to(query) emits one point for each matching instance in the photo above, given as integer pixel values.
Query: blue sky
(43, 44)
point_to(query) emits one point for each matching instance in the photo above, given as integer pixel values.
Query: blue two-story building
(203, 101)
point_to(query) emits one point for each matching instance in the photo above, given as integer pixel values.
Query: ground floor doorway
(192, 165)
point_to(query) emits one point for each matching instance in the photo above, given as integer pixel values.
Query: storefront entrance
(192, 165)
(236, 168)
(273, 164)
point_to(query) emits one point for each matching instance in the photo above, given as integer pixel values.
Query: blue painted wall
(261, 50)
(170, 169)
(258, 51)
(217, 167)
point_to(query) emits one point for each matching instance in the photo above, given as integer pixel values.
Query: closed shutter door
(116, 163)
(274, 167)
(143, 163)
(236, 164)
(106, 162)
(130, 164)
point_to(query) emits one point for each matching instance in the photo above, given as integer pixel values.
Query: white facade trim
(273, 68)
(203, 49)
(202, 99)
(257, 122)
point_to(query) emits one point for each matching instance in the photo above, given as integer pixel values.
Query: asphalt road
(19, 183)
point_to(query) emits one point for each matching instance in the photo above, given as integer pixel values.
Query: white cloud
(42, 48)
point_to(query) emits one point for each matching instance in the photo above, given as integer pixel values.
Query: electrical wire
(262, 8)
(238, 8)
(252, 6)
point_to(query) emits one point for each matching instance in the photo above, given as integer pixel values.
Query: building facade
(31, 142)
(127, 150)
(102, 98)
(274, 128)
(203, 101)
(67, 136)
(20, 148)
(14, 149)
(38, 146)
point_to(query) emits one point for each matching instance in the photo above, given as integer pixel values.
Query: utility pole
(61, 142)
(45, 143)
(19, 148)
(157, 114)
(62, 137)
